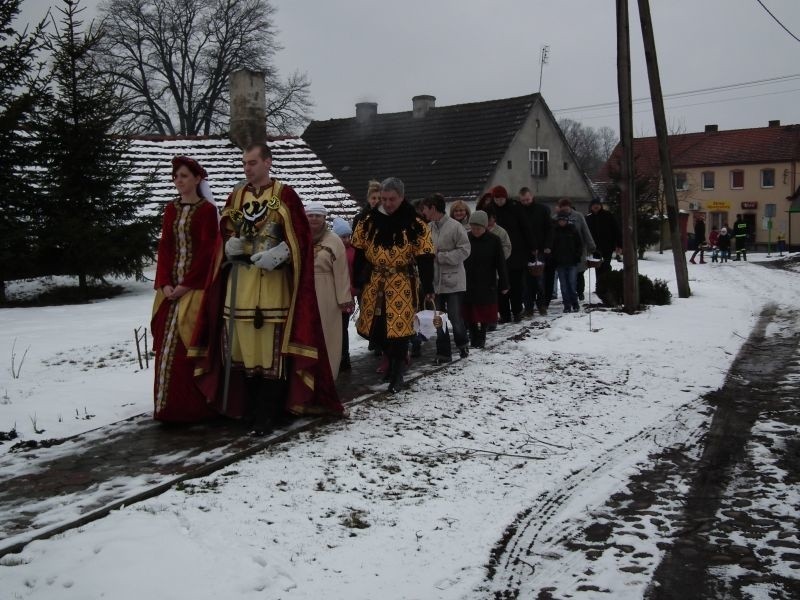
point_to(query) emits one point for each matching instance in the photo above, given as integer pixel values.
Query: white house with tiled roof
(293, 163)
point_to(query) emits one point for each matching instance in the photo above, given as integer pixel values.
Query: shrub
(610, 289)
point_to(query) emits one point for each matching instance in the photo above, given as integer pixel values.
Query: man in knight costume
(261, 323)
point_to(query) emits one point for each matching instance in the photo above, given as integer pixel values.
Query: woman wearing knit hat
(331, 281)
(486, 275)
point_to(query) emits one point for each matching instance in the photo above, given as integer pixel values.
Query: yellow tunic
(262, 297)
(392, 286)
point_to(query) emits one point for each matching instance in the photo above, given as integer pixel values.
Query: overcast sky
(387, 51)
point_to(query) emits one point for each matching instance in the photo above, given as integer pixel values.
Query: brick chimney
(775, 123)
(422, 104)
(712, 128)
(248, 108)
(365, 111)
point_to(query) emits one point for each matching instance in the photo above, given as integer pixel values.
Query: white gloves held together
(272, 258)
(268, 259)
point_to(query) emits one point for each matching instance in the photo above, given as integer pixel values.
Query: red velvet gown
(185, 253)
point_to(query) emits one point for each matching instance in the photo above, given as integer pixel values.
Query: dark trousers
(346, 338)
(580, 282)
(741, 247)
(534, 294)
(451, 304)
(511, 304)
(549, 280)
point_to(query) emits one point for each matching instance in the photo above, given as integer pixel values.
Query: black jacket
(485, 268)
(511, 218)
(699, 232)
(567, 246)
(540, 223)
(605, 231)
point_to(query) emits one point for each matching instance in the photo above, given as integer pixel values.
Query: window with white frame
(681, 181)
(538, 158)
(707, 180)
(737, 179)
(767, 178)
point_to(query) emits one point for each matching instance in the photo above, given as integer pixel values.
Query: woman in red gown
(188, 238)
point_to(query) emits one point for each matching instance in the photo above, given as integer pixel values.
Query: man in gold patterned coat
(262, 310)
(395, 243)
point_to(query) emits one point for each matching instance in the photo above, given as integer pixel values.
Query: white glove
(234, 247)
(272, 258)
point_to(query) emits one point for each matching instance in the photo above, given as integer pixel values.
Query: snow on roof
(293, 162)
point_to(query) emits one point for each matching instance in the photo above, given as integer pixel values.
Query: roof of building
(293, 162)
(452, 150)
(715, 148)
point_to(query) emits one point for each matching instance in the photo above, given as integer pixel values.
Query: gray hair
(393, 184)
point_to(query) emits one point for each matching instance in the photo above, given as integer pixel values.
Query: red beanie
(499, 191)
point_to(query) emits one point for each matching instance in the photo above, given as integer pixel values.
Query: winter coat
(505, 241)
(541, 226)
(486, 269)
(699, 232)
(587, 241)
(724, 241)
(511, 218)
(567, 250)
(452, 248)
(605, 231)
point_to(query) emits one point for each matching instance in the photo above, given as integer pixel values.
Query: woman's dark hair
(191, 164)
(435, 201)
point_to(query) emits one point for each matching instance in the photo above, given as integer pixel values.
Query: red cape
(311, 386)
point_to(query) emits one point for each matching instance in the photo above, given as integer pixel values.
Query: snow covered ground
(408, 497)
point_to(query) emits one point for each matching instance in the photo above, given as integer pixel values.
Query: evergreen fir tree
(21, 89)
(91, 222)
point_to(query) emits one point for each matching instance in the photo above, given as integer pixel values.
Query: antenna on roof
(542, 63)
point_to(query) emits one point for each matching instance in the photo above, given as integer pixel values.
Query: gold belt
(404, 269)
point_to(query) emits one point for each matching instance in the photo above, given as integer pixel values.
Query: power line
(701, 91)
(647, 109)
(778, 21)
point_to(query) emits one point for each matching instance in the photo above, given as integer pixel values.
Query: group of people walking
(253, 305)
(719, 241)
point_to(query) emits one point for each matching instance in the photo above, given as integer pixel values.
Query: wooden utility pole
(650, 57)
(627, 188)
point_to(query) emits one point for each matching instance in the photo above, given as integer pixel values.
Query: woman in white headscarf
(331, 280)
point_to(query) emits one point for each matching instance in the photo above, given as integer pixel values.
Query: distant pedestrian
(588, 246)
(511, 218)
(699, 238)
(724, 243)
(451, 246)
(541, 225)
(498, 231)
(486, 278)
(713, 243)
(567, 252)
(605, 232)
(345, 233)
(740, 233)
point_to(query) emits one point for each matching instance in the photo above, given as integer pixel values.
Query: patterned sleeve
(424, 243)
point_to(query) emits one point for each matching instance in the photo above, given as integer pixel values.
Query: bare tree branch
(173, 59)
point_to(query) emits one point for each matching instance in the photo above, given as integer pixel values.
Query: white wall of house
(564, 178)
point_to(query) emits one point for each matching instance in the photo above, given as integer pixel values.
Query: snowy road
(413, 496)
